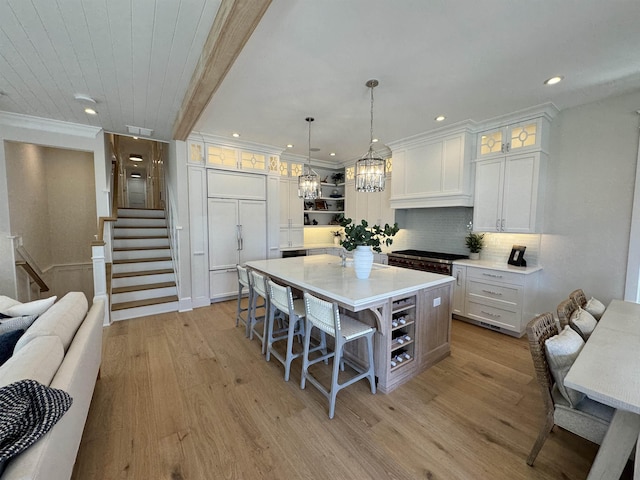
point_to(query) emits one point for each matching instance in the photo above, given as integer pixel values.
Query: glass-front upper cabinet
(227, 157)
(514, 138)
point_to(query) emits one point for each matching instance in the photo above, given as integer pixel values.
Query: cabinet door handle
(241, 239)
(502, 148)
(491, 292)
(458, 278)
(237, 237)
(493, 275)
(502, 225)
(508, 146)
(497, 225)
(489, 314)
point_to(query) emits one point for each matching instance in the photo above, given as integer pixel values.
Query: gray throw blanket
(28, 410)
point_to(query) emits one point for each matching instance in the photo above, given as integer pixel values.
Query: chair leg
(546, 428)
(333, 391)
(305, 353)
(289, 354)
(371, 372)
(268, 334)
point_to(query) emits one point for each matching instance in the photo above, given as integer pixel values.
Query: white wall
(590, 185)
(37, 131)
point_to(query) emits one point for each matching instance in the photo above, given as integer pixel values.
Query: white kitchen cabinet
(433, 170)
(520, 137)
(459, 272)
(509, 193)
(501, 299)
(291, 215)
(237, 234)
(195, 151)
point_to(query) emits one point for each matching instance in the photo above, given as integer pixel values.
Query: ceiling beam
(234, 23)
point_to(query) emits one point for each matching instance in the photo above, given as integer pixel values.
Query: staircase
(142, 281)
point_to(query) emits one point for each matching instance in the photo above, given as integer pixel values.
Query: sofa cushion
(562, 350)
(62, 319)
(38, 360)
(6, 303)
(16, 323)
(36, 307)
(8, 341)
(595, 308)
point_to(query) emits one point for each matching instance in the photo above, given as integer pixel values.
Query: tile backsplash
(444, 229)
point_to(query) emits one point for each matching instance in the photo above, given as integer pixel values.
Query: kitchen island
(410, 309)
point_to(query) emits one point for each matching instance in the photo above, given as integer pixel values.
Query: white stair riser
(141, 267)
(143, 311)
(136, 212)
(134, 254)
(142, 280)
(141, 242)
(141, 222)
(143, 294)
(140, 232)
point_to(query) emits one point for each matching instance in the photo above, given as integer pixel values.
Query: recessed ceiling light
(554, 80)
(440, 118)
(290, 145)
(374, 140)
(333, 154)
(136, 175)
(236, 135)
(90, 111)
(134, 157)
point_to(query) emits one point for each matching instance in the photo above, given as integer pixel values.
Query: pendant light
(370, 168)
(308, 183)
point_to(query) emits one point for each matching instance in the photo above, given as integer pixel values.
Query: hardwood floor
(187, 396)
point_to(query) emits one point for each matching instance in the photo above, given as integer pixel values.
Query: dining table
(607, 370)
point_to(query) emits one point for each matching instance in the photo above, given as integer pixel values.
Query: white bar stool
(281, 302)
(326, 317)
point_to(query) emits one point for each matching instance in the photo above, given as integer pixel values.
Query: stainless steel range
(435, 262)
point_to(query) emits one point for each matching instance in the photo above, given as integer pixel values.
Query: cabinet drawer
(486, 274)
(493, 315)
(503, 293)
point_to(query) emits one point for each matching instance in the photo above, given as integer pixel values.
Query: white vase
(362, 261)
(336, 240)
(474, 255)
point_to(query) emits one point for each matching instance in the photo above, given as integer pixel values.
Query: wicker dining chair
(565, 310)
(589, 419)
(578, 297)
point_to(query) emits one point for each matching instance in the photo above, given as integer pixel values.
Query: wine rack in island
(403, 322)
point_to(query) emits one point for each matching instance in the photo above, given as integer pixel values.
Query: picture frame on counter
(517, 256)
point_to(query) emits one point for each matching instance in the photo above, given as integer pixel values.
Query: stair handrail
(29, 265)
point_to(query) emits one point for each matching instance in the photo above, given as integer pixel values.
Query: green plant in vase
(474, 242)
(362, 238)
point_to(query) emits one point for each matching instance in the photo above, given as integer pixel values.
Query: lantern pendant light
(370, 168)
(309, 183)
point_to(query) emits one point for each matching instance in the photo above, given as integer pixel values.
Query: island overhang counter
(410, 309)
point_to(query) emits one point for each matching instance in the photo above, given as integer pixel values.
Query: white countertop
(324, 275)
(503, 267)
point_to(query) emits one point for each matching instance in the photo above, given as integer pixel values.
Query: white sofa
(62, 349)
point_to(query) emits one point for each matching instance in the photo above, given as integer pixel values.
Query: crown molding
(55, 126)
(234, 143)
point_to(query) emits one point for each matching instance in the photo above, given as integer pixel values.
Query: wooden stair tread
(143, 237)
(127, 249)
(148, 286)
(142, 260)
(144, 303)
(145, 272)
(140, 226)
